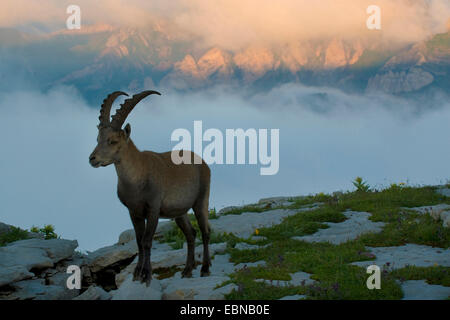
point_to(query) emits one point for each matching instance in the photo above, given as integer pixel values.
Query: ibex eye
(112, 142)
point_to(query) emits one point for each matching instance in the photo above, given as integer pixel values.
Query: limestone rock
(14, 273)
(94, 293)
(107, 256)
(162, 256)
(437, 212)
(420, 290)
(244, 225)
(225, 210)
(398, 82)
(19, 257)
(54, 249)
(127, 236)
(135, 290)
(299, 278)
(276, 201)
(38, 290)
(409, 254)
(198, 288)
(357, 223)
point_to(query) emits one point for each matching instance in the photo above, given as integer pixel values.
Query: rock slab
(357, 223)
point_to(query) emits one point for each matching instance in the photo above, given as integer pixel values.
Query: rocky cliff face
(103, 56)
(395, 82)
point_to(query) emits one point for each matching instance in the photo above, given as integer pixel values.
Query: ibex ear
(127, 131)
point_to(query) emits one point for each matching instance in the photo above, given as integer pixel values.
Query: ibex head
(111, 138)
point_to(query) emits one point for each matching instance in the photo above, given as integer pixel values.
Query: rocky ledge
(37, 269)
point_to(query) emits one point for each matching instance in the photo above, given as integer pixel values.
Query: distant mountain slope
(100, 58)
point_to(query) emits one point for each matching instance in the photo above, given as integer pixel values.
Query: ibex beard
(151, 186)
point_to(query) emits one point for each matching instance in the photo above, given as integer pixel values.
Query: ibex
(151, 186)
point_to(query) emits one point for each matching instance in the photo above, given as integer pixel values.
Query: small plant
(360, 185)
(396, 187)
(48, 231)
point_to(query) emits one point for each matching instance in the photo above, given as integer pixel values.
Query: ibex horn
(125, 108)
(105, 109)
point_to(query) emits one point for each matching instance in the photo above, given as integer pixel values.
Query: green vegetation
(330, 265)
(48, 231)
(371, 59)
(248, 208)
(360, 185)
(14, 234)
(434, 275)
(440, 42)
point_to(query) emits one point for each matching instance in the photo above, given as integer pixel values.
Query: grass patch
(329, 264)
(303, 223)
(248, 208)
(434, 275)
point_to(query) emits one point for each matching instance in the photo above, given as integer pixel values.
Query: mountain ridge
(104, 56)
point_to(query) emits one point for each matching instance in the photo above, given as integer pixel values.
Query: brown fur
(151, 186)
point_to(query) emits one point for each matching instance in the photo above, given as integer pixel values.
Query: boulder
(14, 273)
(59, 280)
(18, 258)
(107, 256)
(127, 236)
(55, 249)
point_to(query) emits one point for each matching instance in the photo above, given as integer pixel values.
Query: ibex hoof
(145, 276)
(204, 272)
(136, 273)
(186, 273)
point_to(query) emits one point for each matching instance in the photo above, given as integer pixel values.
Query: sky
(47, 139)
(234, 24)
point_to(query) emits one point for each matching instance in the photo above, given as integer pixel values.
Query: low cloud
(327, 138)
(233, 24)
